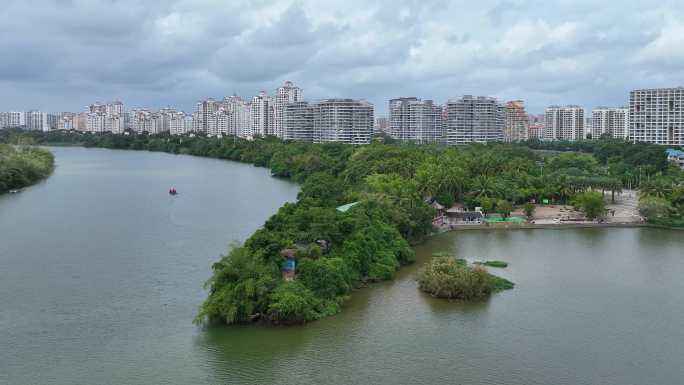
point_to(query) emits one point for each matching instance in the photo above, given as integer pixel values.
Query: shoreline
(555, 226)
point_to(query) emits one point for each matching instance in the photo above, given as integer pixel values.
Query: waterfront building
(239, 124)
(343, 120)
(177, 123)
(516, 127)
(12, 119)
(298, 122)
(96, 122)
(564, 123)
(287, 93)
(262, 115)
(610, 121)
(40, 121)
(415, 120)
(657, 116)
(141, 121)
(474, 119)
(205, 111)
(331, 120)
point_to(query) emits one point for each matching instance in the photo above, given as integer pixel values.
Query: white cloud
(667, 48)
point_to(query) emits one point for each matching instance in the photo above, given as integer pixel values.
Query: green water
(101, 273)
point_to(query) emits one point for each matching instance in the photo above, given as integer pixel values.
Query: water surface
(101, 274)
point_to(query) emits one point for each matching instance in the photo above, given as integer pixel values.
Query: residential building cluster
(653, 116)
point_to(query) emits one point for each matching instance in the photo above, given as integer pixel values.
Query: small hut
(458, 215)
(290, 266)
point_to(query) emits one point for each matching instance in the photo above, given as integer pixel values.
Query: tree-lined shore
(338, 250)
(23, 166)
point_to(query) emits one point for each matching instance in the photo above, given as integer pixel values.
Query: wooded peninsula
(362, 207)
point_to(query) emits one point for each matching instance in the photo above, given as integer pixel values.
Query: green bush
(449, 277)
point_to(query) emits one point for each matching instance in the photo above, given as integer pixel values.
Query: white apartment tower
(298, 122)
(517, 125)
(262, 115)
(12, 119)
(657, 116)
(474, 119)
(610, 121)
(564, 123)
(239, 124)
(415, 120)
(287, 93)
(205, 111)
(342, 120)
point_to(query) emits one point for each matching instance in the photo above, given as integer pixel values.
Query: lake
(101, 274)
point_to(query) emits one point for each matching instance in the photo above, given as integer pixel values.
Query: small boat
(14, 191)
(172, 191)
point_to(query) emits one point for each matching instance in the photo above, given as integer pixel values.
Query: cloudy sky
(61, 55)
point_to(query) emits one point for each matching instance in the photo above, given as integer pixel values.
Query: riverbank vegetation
(392, 185)
(494, 263)
(453, 278)
(23, 166)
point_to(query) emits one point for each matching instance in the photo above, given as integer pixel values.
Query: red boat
(172, 191)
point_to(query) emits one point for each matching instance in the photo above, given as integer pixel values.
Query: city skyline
(540, 52)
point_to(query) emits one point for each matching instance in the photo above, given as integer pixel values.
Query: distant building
(564, 123)
(262, 115)
(205, 112)
(474, 119)
(343, 120)
(382, 124)
(657, 116)
(179, 123)
(516, 127)
(415, 120)
(239, 124)
(287, 93)
(331, 120)
(12, 119)
(610, 121)
(298, 121)
(536, 131)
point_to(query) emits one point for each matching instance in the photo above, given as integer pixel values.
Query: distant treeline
(23, 166)
(394, 184)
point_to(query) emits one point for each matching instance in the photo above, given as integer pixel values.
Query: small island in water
(450, 277)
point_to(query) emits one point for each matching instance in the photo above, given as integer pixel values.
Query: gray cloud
(61, 55)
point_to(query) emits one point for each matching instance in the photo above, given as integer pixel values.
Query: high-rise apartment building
(40, 121)
(12, 119)
(177, 123)
(205, 112)
(564, 123)
(415, 120)
(474, 119)
(287, 93)
(298, 121)
(657, 116)
(331, 120)
(262, 115)
(239, 111)
(517, 125)
(343, 120)
(610, 121)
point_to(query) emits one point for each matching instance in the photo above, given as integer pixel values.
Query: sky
(62, 55)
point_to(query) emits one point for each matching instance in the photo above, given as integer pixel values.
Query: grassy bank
(23, 166)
